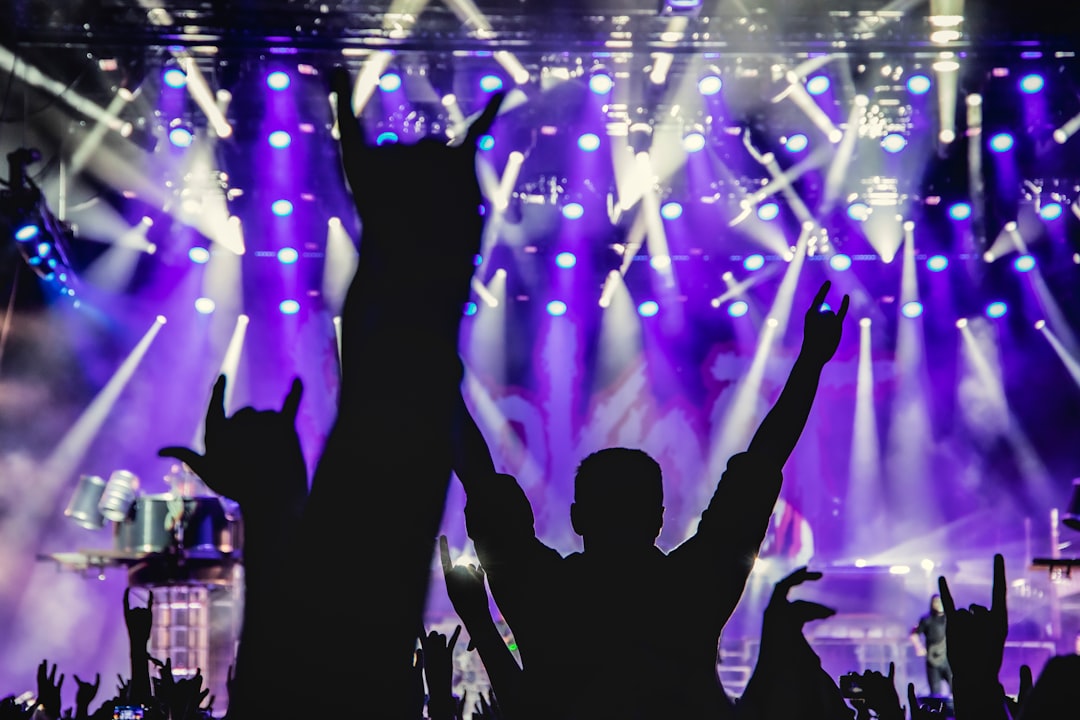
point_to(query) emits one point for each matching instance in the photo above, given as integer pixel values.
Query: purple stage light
(389, 82)
(796, 143)
(840, 262)
(1001, 142)
(918, 84)
(817, 84)
(279, 139)
(556, 308)
(996, 309)
(911, 309)
(894, 142)
(858, 211)
(1050, 211)
(573, 211)
(1031, 83)
(491, 83)
(282, 208)
(754, 262)
(937, 263)
(175, 78)
(278, 80)
(588, 142)
(1024, 263)
(710, 84)
(648, 308)
(693, 142)
(470, 308)
(199, 255)
(768, 211)
(205, 305)
(287, 256)
(738, 308)
(601, 83)
(566, 260)
(181, 137)
(671, 211)
(486, 142)
(960, 211)
(289, 307)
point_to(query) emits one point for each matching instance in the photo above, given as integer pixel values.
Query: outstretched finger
(453, 638)
(1000, 590)
(215, 411)
(292, 401)
(185, 455)
(819, 299)
(483, 123)
(444, 554)
(127, 600)
(946, 597)
(805, 610)
(892, 671)
(912, 698)
(842, 312)
(1027, 682)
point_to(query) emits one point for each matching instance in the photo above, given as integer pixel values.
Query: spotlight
(996, 309)
(279, 139)
(486, 142)
(470, 308)
(282, 208)
(894, 142)
(199, 255)
(754, 262)
(737, 308)
(287, 255)
(205, 305)
(566, 260)
(175, 78)
(1031, 83)
(556, 308)
(1050, 211)
(796, 143)
(588, 142)
(573, 211)
(1002, 142)
(388, 137)
(491, 83)
(27, 232)
(864, 322)
(389, 82)
(960, 211)
(180, 134)
(840, 262)
(1024, 263)
(817, 84)
(289, 307)
(911, 309)
(648, 308)
(693, 141)
(768, 211)
(601, 83)
(918, 84)
(671, 211)
(710, 84)
(961, 323)
(858, 211)
(1040, 324)
(937, 263)
(278, 80)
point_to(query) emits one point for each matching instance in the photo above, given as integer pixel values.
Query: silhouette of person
(622, 629)
(928, 637)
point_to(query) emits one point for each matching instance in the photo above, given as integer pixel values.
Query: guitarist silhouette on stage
(928, 637)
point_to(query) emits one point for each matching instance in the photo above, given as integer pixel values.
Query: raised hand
(85, 695)
(975, 637)
(48, 689)
(1027, 682)
(466, 588)
(822, 328)
(138, 620)
(921, 712)
(438, 657)
(782, 613)
(879, 693)
(246, 452)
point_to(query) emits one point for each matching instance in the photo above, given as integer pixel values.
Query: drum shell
(208, 530)
(119, 497)
(83, 506)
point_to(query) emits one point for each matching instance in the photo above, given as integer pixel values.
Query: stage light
(175, 78)
(710, 84)
(693, 141)
(996, 309)
(894, 142)
(471, 308)
(899, 569)
(26, 232)
(754, 262)
(556, 308)
(486, 142)
(768, 211)
(566, 260)
(601, 83)
(180, 134)
(279, 139)
(817, 84)
(287, 255)
(864, 322)
(660, 262)
(491, 83)
(278, 80)
(911, 309)
(1050, 211)
(671, 211)
(282, 208)
(1002, 142)
(573, 211)
(960, 211)
(1031, 83)
(961, 323)
(205, 305)
(289, 307)
(199, 255)
(796, 143)
(1040, 324)
(858, 211)
(1024, 263)
(918, 84)
(387, 137)
(648, 308)
(840, 262)
(937, 263)
(389, 82)
(588, 142)
(737, 308)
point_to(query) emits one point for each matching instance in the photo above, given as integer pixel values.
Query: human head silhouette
(935, 605)
(618, 500)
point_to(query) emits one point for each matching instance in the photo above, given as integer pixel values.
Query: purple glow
(282, 208)
(1031, 83)
(279, 139)
(754, 262)
(287, 256)
(566, 260)
(1024, 263)
(1001, 142)
(199, 255)
(588, 142)
(289, 307)
(556, 308)
(671, 211)
(278, 80)
(738, 308)
(996, 309)
(937, 263)
(960, 211)
(573, 211)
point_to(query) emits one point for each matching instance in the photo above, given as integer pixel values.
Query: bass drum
(197, 526)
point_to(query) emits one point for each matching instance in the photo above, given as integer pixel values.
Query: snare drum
(195, 525)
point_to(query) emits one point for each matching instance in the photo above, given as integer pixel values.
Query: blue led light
(289, 307)
(601, 83)
(287, 255)
(1031, 83)
(279, 139)
(859, 211)
(27, 232)
(282, 208)
(937, 263)
(753, 262)
(710, 85)
(911, 309)
(278, 80)
(1024, 263)
(768, 211)
(648, 308)
(175, 78)
(1050, 211)
(671, 211)
(389, 82)
(44, 249)
(817, 84)
(918, 84)
(181, 137)
(796, 143)
(1001, 142)
(738, 308)
(470, 308)
(588, 142)
(960, 211)
(840, 262)
(199, 255)
(996, 309)
(386, 137)
(486, 142)
(566, 260)
(491, 83)
(556, 308)
(894, 142)
(573, 211)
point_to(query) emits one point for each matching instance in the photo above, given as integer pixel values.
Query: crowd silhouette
(403, 432)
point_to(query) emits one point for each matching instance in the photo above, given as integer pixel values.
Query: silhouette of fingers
(185, 455)
(805, 610)
(215, 411)
(482, 124)
(998, 603)
(946, 597)
(453, 638)
(444, 554)
(292, 401)
(127, 600)
(842, 312)
(1027, 682)
(819, 299)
